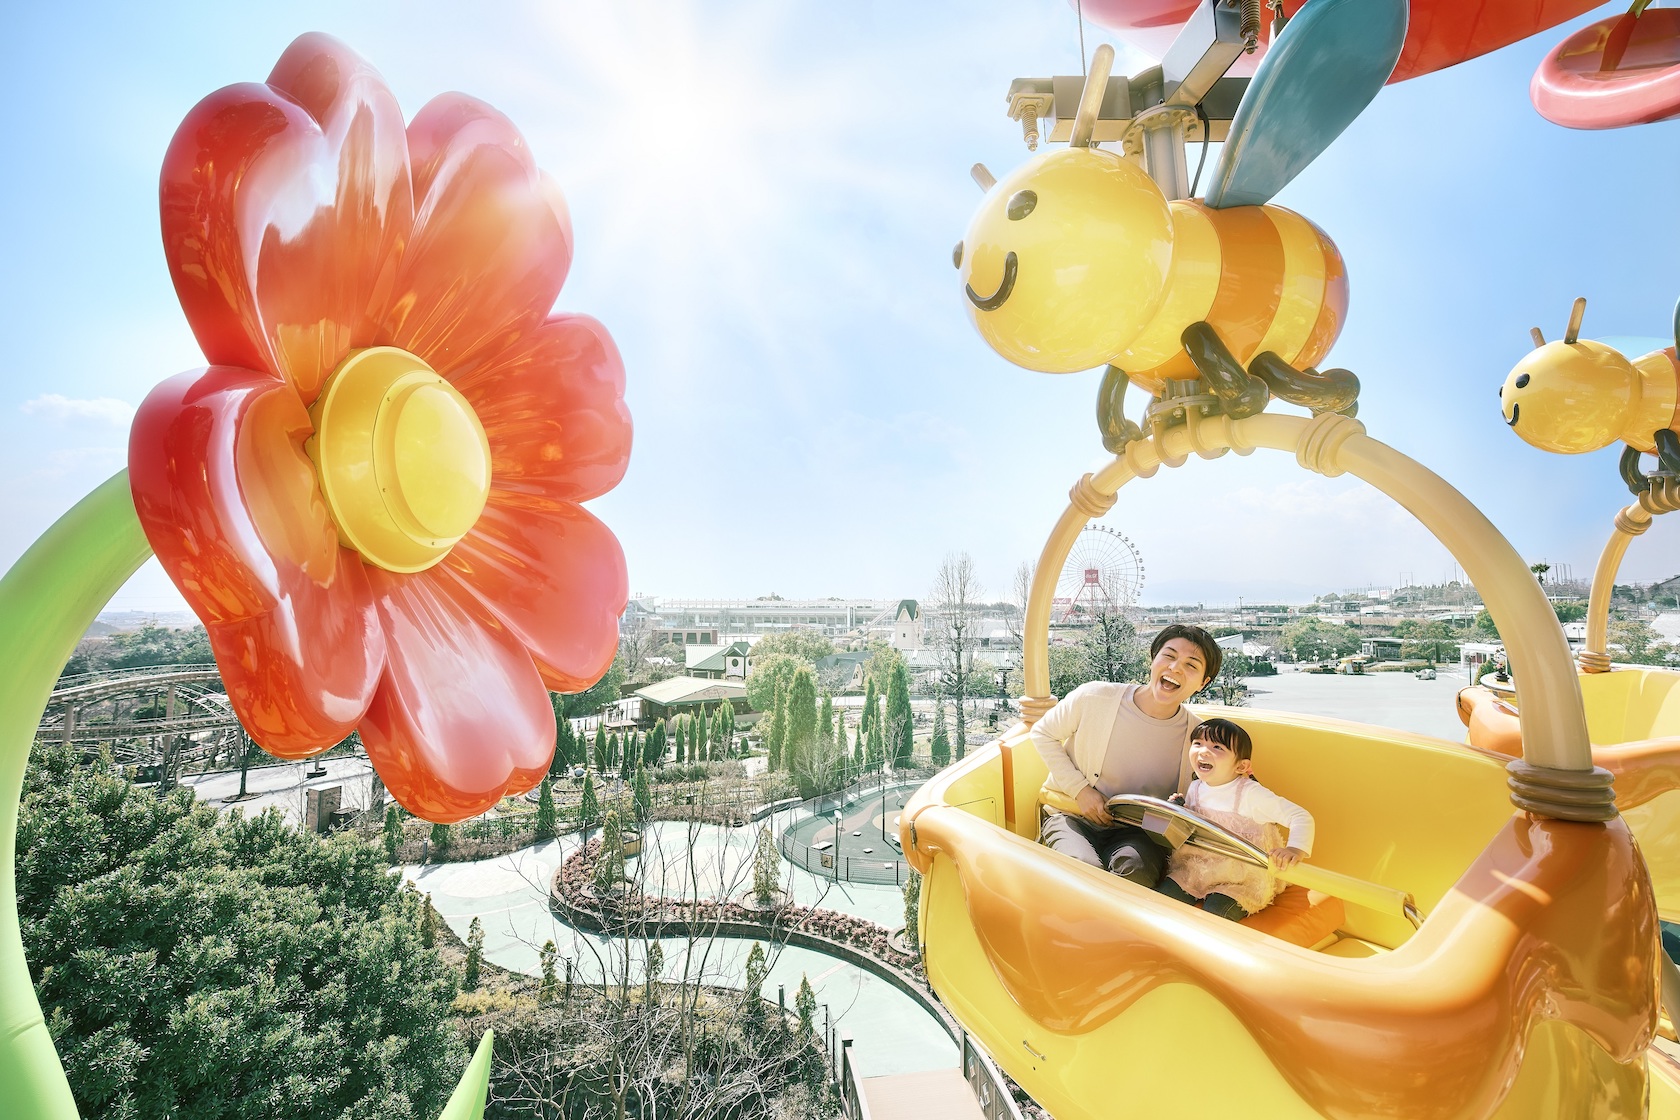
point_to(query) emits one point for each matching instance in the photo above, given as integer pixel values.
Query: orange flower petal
(492, 240)
(553, 408)
(229, 503)
(460, 718)
(554, 575)
(285, 209)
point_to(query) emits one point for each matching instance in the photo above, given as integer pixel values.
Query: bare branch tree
(955, 599)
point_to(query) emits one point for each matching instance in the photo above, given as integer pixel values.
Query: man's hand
(1093, 806)
(1285, 858)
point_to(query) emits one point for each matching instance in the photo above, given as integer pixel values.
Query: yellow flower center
(401, 456)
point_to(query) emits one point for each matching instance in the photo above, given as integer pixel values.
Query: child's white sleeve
(1268, 808)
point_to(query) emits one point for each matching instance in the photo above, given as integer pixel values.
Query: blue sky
(765, 197)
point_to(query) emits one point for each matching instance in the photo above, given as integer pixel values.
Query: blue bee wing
(1319, 74)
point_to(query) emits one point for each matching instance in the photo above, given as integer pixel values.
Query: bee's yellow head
(1571, 397)
(1067, 259)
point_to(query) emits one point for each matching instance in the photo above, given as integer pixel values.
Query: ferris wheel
(1103, 575)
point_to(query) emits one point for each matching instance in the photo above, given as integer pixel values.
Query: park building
(727, 620)
(730, 662)
(686, 696)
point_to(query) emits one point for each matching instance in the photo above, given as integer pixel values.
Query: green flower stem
(47, 601)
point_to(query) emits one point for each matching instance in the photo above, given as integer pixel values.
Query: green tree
(775, 733)
(901, 741)
(941, 744)
(428, 925)
(752, 992)
(770, 672)
(443, 838)
(392, 836)
(883, 662)
(643, 799)
(589, 806)
(876, 753)
(601, 760)
(870, 695)
(702, 735)
(545, 811)
(1431, 641)
(1068, 669)
(609, 865)
(859, 750)
(654, 752)
(802, 645)
(682, 742)
(767, 866)
(800, 734)
(1313, 639)
(475, 955)
(1112, 650)
(548, 955)
(196, 964)
(806, 1004)
(726, 729)
(825, 721)
(1638, 643)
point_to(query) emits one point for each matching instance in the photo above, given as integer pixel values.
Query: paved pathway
(509, 895)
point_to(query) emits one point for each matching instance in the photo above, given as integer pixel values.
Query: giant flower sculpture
(371, 495)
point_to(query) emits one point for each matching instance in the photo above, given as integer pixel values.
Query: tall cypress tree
(601, 747)
(941, 745)
(801, 731)
(656, 744)
(900, 728)
(774, 735)
(858, 751)
(726, 729)
(589, 806)
(825, 723)
(877, 740)
(702, 734)
(682, 743)
(869, 695)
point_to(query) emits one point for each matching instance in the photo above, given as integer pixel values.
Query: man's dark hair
(1212, 655)
(1229, 735)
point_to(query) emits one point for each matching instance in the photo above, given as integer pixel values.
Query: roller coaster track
(160, 714)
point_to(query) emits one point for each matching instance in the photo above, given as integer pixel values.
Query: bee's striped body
(1263, 277)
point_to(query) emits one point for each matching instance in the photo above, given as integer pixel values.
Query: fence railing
(991, 1092)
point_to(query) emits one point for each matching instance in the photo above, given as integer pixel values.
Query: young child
(1224, 794)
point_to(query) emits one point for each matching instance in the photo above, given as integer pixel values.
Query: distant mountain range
(125, 622)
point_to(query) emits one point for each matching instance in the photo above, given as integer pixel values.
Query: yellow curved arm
(1554, 730)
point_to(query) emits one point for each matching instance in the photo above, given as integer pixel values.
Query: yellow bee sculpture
(1076, 259)
(1577, 395)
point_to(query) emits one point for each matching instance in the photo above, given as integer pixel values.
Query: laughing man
(1105, 739)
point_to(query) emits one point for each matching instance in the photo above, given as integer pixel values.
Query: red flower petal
(554, 575)
(492, 238)
(285, 208)
(553, 408)
(460, 717)
(230, 505)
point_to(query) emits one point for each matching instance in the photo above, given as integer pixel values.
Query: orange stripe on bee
(1158, 353)
(1300, 294)
(1333, 313)
(1251, 270)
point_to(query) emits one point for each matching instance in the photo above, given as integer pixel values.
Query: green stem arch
(47, 601)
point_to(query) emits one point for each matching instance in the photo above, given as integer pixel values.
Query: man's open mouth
(1169, 683)
(995, 300)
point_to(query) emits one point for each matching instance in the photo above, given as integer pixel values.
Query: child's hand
(1285, 858)
(1176, 799)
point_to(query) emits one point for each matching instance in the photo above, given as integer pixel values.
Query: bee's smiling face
(1569, 397)
(1067, 260)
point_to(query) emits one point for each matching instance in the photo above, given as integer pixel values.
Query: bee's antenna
(1090, 98)
(982, 176)
(1539, 339)
(1576, 313)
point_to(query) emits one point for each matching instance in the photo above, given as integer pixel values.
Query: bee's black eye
(1021, 204)
(956, 256)
(1522, 380)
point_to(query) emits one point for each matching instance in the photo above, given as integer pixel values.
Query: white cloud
(107, 410)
